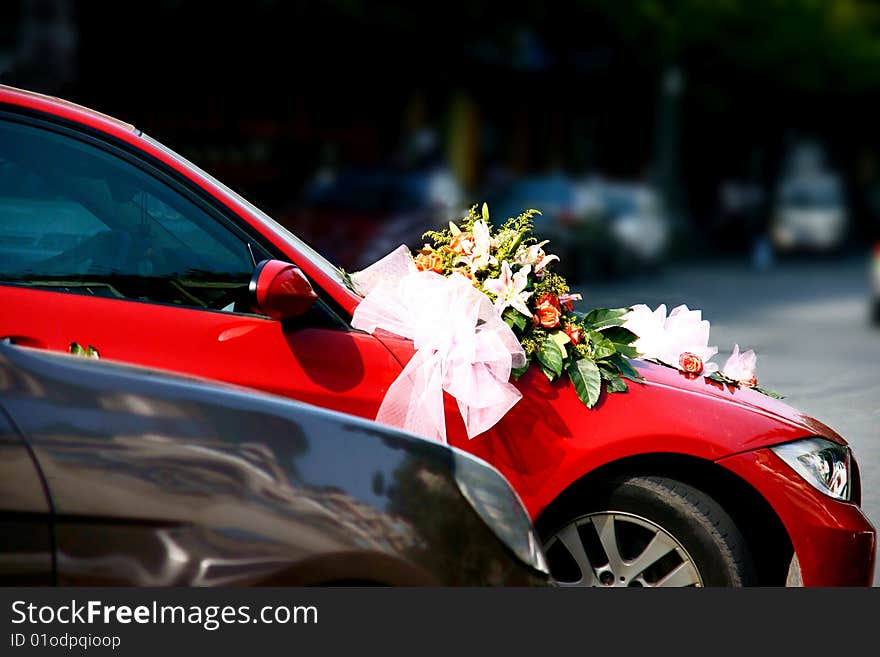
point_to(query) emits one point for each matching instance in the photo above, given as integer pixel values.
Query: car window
(619, 203)
(78, 219)
(328, 268)
(811, 195)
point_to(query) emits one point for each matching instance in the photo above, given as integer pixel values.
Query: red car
(111, 241)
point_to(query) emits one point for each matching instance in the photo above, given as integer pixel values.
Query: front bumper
(834, 542)
(808, 230)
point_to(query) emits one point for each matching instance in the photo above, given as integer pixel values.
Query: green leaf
(607, 370)
(514, 245)
(561, 339)
(486, 212)
(627, 350)
(619, 335)
(601, 317)
(770, 393)
(514, 318)
(602, 346)
(616, 384)
(627, 371)
(77, 349)
(622, 340)
(551, 356)
(346, 280)
(519, 320)
(718, 377)
(587, 381)
(517, 372)
(550, 375)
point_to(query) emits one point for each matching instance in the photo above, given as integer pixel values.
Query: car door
(25, 536)
(100, 249)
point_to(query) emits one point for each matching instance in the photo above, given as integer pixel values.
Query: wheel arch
(761, 527)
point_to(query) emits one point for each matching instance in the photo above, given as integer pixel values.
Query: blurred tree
(805, 45)
(575, 82)
(758, 73)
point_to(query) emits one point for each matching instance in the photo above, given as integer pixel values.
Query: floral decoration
(514, 270)
(681, 341)
(594, 350)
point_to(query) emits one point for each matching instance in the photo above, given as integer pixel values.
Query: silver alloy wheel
(613, 548)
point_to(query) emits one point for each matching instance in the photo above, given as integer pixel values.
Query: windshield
(618, 204)
(317, 259)
(812, 195)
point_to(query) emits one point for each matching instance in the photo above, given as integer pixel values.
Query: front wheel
(646, 531)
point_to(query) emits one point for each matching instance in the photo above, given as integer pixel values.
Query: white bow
(462, 346)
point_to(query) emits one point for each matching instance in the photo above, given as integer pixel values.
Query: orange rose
(547, 310)
(462, 244)
(549, 297)
(690, 363)
(428, 260)
(573, 332)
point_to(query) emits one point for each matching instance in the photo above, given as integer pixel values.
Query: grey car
(115, 475)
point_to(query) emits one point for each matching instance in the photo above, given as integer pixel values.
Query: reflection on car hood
(751, 400)
(716, 421)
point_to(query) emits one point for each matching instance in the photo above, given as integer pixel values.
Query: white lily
(667, 338)
(569, 298)
(649, 326)
(741, 367)
(534, 255)
(481, 255)
(510, 289)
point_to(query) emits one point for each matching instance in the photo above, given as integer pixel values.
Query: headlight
(500, 507)
(823, 464)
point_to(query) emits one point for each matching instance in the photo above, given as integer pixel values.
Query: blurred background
(721, 154)
(646, 131)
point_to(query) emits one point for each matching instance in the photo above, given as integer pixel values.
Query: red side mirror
(280, 290)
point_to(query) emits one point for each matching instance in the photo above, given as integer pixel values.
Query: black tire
(707, 534)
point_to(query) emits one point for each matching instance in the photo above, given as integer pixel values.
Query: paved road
(808, 322)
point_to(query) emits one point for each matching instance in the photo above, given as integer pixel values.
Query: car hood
(749, 400)
(670, 411)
